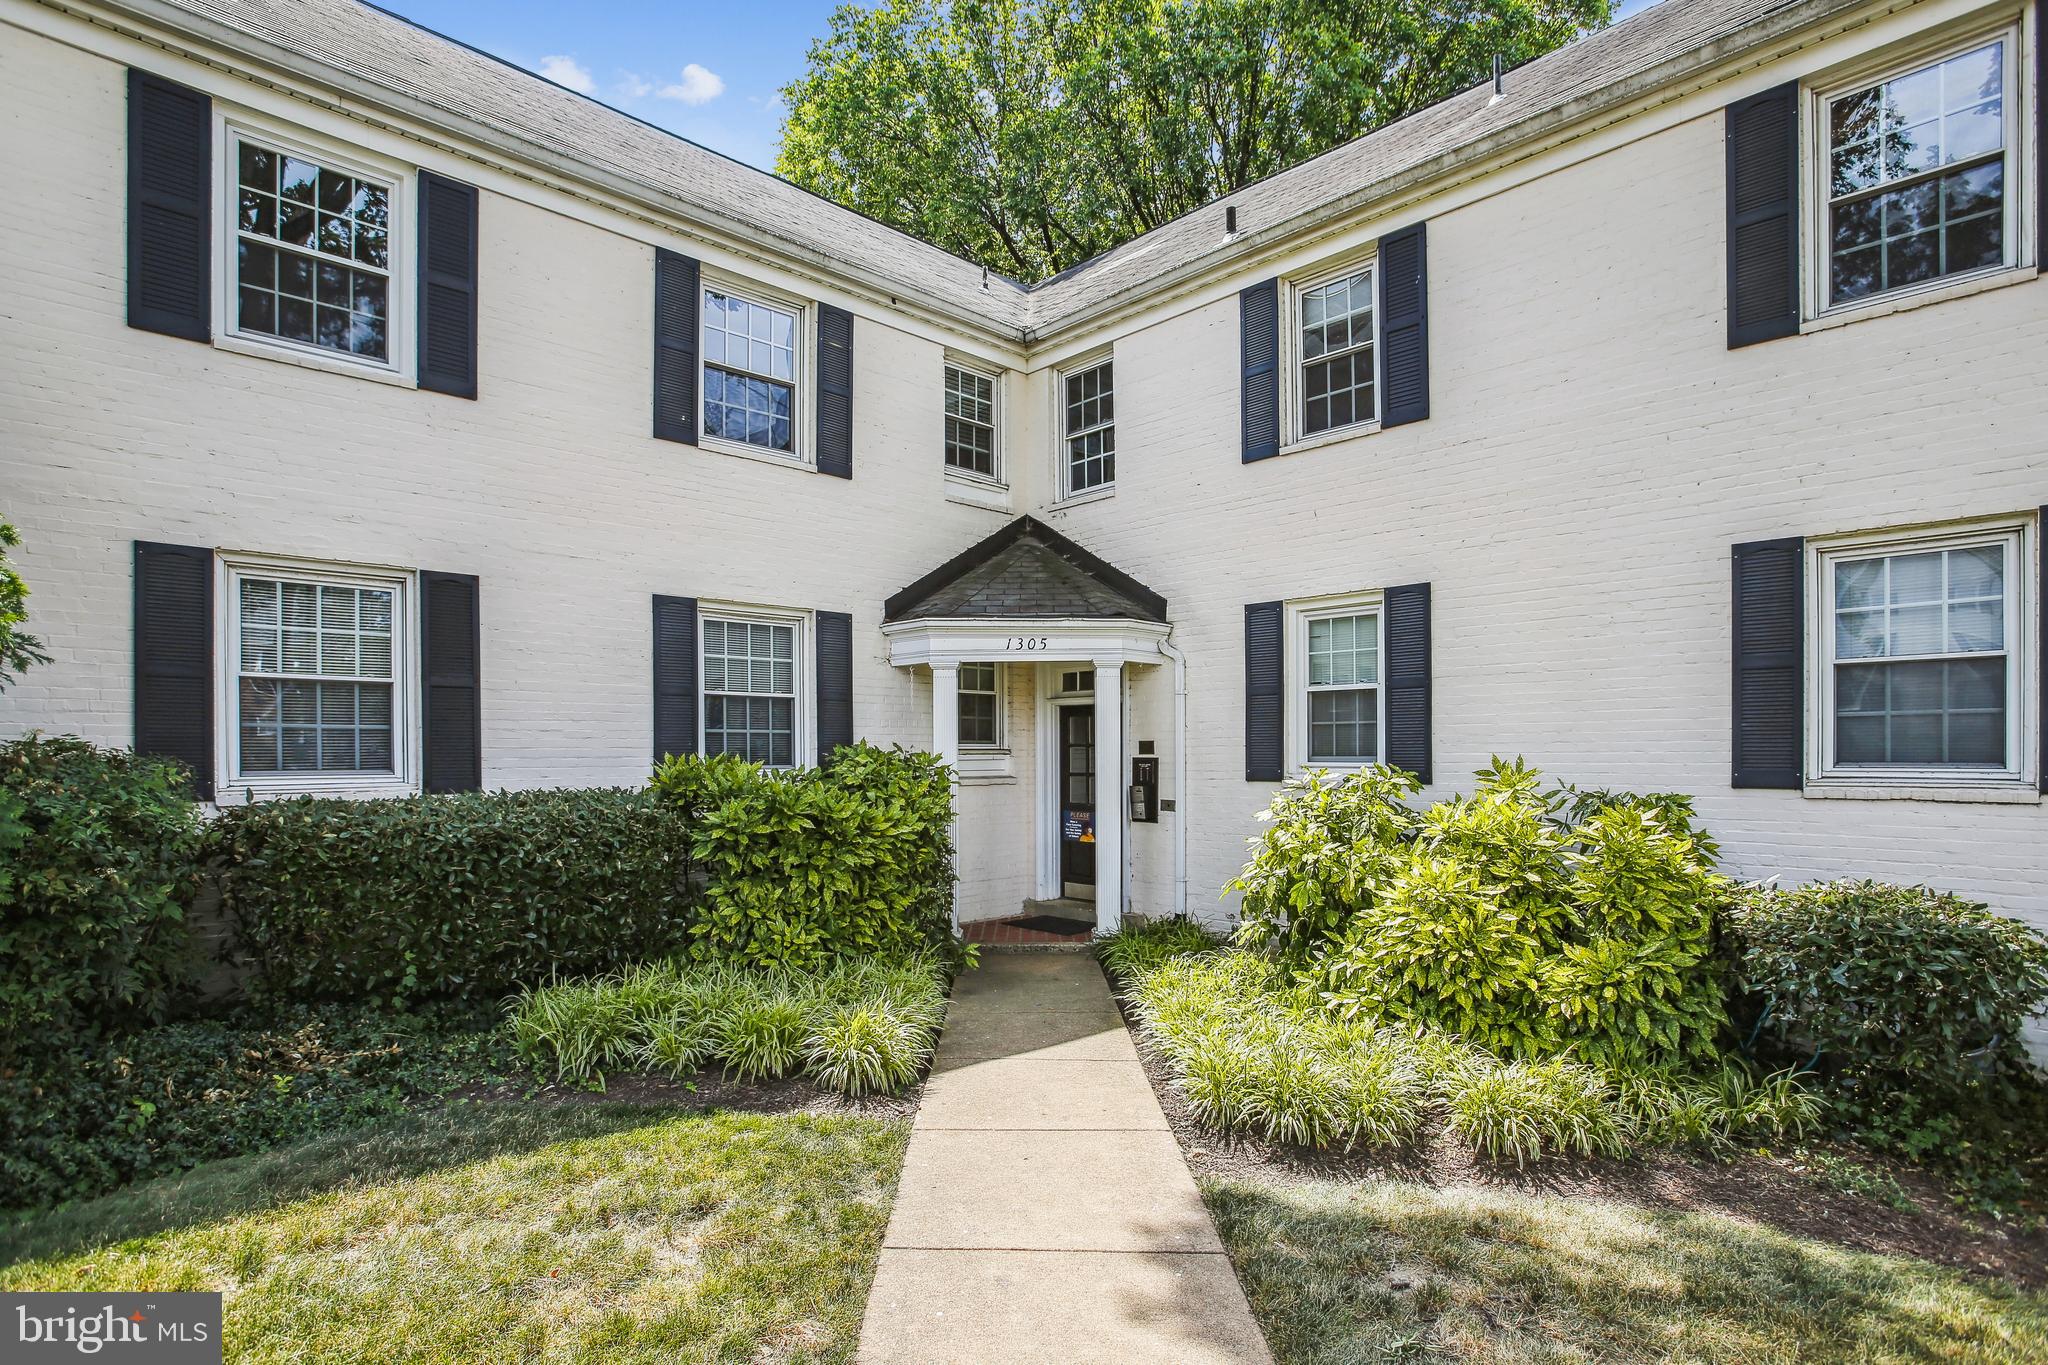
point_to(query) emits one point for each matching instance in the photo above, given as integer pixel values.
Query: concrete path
(1045, 1213)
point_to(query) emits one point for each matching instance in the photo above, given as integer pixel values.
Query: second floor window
(970, 422)
(1918, 174)
(750, 363)
(1337, 354)
(1090, 427)
(312, 253)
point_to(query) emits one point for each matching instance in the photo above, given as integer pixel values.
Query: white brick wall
(1594, 451)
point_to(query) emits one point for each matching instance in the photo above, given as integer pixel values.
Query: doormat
(1054, 924)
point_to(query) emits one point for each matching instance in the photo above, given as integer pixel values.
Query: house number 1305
(1026, 642)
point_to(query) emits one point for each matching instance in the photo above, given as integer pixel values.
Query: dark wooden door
(1077, 795)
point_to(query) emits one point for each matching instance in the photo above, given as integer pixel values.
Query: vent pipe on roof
(1500, 76)
(1230, 220)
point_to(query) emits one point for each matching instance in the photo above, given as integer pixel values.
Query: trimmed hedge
(466, 896)
(805, 867)
(98, 859)
(1891, 985)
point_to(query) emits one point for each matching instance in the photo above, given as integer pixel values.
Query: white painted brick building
(1595, 445)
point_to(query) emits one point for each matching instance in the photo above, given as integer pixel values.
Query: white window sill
(980, 767)
(234, 793)
(974, 492)
(1939, 291)
(718, 445)
(2010, 792)
(1081, 499)
(1330, 438)
(308, 359)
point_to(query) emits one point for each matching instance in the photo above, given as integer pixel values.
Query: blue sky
(713, 73)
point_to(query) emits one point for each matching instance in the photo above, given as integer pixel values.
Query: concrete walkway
(1045, 1213)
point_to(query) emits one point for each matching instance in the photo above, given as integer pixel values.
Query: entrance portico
(1028, 597)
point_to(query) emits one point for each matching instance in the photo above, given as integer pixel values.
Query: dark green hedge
(463, 896)
(98, 861)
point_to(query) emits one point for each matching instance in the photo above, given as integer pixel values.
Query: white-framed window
(1918, 173)
(751, 672)
(1335, 336)
(315, 250)
(1921, 647)
(318, 668)
(751, 347)
(981, 706)
(1336, 707)
(971, 418)
(1088, 427)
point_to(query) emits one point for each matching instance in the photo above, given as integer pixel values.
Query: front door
(1077, 801)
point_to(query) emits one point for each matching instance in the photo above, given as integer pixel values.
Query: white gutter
(1180, 774)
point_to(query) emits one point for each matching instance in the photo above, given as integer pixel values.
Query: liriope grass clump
(858, 1027)
(1254, 1051)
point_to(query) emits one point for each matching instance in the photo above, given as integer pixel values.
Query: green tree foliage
(18, 649)
(1030, 135)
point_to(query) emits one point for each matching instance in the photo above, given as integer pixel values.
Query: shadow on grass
(1344, 1272)
(393, 1149)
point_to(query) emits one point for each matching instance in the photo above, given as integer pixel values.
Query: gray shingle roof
(426, 71)
(1025, 570)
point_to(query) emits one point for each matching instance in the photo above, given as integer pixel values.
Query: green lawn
(599, 1232)
(1393, 1271)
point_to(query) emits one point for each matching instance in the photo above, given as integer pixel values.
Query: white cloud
(568, 71)
(634, 87)
(697, 86)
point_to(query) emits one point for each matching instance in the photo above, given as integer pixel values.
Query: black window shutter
(448, 283)
(1408, 680)
(1769, 623)
(170, 227)
(2041, 550)
(835, 391)
(1404, 326)
(174, 657)
(1763, 216)
(1258, 321)
(451, 719)
(1264, 693)
(675, 348)
(835, 681)
(675, 675)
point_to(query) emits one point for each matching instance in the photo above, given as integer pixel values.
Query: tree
(1030, 135)
(18, 649)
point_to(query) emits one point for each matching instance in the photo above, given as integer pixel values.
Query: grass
(858, 1027)
(567, 1233)
(1396, 1271)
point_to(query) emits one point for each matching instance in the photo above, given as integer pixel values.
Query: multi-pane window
(1921, 656)
(1917, 175)
(970, 422)
(1337, 354)
(750, 690)
(1090, 427)
(1343, 688)
(980, 707)
(312, 253)
(749, 372)
(315, 677)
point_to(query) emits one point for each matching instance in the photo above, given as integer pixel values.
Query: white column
(1111, 802)
(946, 744)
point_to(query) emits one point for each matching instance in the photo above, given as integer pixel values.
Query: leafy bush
(465, 895)
(854, 1027)
(1531, 922)
(98, 860)
(1888, 986)
(169, 1097)
(801, 868)
(18, 649)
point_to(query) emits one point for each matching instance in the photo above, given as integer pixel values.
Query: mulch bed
(1766, 1190)
(709, 1089)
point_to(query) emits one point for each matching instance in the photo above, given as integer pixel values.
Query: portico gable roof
(1026, 571)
